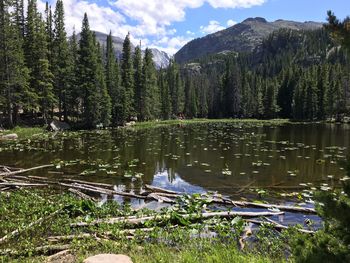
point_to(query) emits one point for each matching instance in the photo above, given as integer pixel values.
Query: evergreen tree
(112, 78)
(138, 83)
(164, 96)
(45, 88)
(231, 86)
(73, 92)
(59, 56)
(104, 100)
(270, 100)
(149, 89)
(87, 68)
(175, 88)
(13, 73)
(127, 82)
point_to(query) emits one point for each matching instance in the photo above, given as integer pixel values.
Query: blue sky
(169, 24)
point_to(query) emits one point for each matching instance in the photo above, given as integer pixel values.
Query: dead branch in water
(135, 221)
(25, 170)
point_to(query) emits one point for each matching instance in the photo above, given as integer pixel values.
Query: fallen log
(160, 198)
(161, 190)
(278, 225)
(20, 184)
(81, 195)
(26, 170)
(272, 206)
(89, 183)
(141, 220)
(98, 190)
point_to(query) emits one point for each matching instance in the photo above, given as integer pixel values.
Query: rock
(12, 136)
(108, 258)
(133, 118)
(131, 123)
(58, 126)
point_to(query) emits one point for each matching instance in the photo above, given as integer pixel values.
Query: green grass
(151, 124)
(24, 132)
(18, 209)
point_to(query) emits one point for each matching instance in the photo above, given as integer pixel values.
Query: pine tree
(270, 100)
(49, 32)
(149, 89)
(87, 67)
(138, 83)
(231, 86)
(60, 60)
(105, 105)
(112, 78)
(164, 96)
(73, 92)
(45, 88)
(127, 82)
(175, 88)
(14, 90)
(19, 16)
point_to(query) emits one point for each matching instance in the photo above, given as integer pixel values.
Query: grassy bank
(151, 124)
(164, 243)
(24, 132)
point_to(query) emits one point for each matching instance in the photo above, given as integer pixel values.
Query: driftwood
(135, 221)
(99, 190)
(277, 225)
(225, 201)
(89, 183)
(21, 184)
(160, 198)
(272, 206)
(161, 190)
(20, 230)
(26, 170)
(81, 195)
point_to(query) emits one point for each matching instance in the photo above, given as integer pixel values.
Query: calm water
(218, 157)
(232, 159)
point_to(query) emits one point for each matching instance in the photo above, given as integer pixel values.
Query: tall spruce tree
(73, 92)
(112, 78)
(14, 91)
(87, 67)
(60, 60)
(175, 88)
(127, 82)
(139, 96)
(164, 95)
(104, 100)
(149, 89)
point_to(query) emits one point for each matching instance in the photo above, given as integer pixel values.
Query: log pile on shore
(12, 179)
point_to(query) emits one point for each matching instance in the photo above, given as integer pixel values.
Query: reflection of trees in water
(158, 149)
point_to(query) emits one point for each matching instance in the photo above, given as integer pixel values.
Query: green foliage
(332, 243)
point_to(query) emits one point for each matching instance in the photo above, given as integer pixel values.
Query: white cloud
(231, 23)
(154, 18)
(171, 45)
(235, 3)
(214, 26)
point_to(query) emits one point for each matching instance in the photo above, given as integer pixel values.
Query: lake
(235, 159)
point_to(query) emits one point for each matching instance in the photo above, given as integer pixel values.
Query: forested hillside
(45, 75)
(293, 74)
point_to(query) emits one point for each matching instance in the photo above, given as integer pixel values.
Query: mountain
(160, 58)
(242, 37)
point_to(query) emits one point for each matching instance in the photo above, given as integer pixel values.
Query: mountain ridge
(242, 37)
(161, 59)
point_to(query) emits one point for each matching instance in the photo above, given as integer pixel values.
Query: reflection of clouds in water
(177, 184)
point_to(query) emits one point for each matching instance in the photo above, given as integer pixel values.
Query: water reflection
(195, 158)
